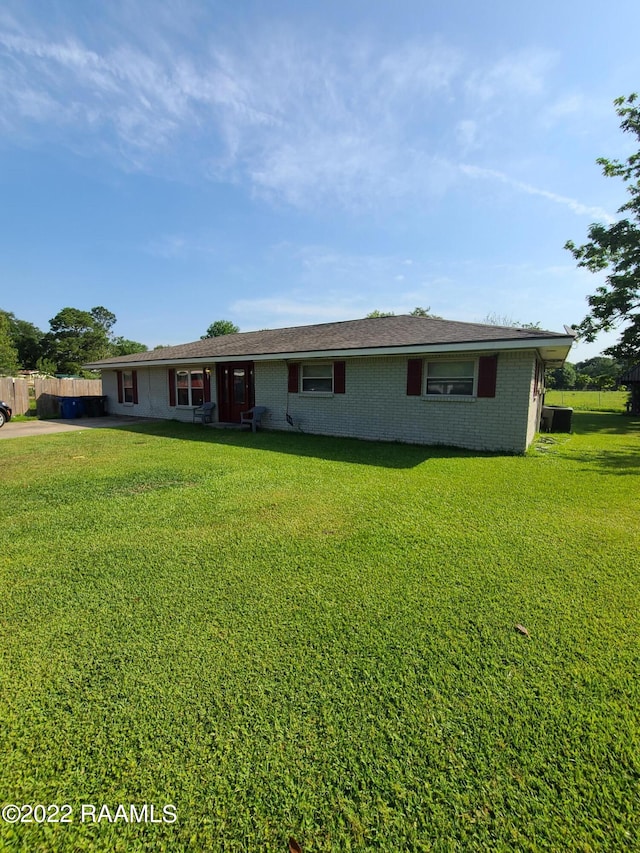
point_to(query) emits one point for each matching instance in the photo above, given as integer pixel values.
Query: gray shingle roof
(370, 333)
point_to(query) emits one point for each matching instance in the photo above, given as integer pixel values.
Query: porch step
(222, 425)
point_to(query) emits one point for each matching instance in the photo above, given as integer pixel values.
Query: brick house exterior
(408, 379)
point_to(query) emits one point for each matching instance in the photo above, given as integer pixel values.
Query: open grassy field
(588, 401)
(294, 635)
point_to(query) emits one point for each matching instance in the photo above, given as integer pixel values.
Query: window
(324, 377)
(189, 387)
(239, 385)
(317, 377)
(455, 378)
(451, 378)
(127, 386)
(538, 380)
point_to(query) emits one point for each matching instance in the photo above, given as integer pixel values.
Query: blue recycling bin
(71, 407)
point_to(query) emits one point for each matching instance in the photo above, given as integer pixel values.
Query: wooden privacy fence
(49, 391)
(15, 392)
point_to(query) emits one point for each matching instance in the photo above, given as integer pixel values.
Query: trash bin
(95, 406)
(90, 407)
(562, 416)
(71, 407)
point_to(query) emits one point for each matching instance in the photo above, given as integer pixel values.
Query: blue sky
(283, 163)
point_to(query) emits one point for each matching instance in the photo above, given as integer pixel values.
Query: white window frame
(329, 375)
(190, 389)
(473, 376)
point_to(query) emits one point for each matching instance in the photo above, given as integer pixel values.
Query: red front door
(235, 390)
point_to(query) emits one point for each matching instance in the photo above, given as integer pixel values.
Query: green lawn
(296, 635)
(589, 401)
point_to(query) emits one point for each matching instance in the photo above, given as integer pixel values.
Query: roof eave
(554, 347)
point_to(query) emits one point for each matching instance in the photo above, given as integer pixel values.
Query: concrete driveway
(18, 429)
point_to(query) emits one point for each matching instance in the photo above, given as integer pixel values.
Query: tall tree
(220, 327)
(103, 318)
(561, 377)
(123, 346)
(616, 249)
(76, 337)
(46, 367)
(26, 338)
(600, 366)
(8, 353)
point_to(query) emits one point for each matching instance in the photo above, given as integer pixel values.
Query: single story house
(399, 378)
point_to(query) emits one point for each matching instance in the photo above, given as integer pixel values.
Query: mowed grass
(589, 401)
(295, 635)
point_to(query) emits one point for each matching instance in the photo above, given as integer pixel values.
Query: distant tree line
(594, 374)
(74, 338)
(418, 311)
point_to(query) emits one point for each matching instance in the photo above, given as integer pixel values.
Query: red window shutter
(338, 377)
(487, 371)
(134, 383)
(172, 387)
(120, 391)
(414, 377)
(207, 385)
(294, 381)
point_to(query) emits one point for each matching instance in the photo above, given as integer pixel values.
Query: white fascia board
(471, 346)
(419, 349)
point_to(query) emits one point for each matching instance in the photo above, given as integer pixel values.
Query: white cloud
(282, 311)
(519, 74)
(574, 205)
(332, 121)
(332, 285)
(302, 120)
(79, 88)
(183, 246)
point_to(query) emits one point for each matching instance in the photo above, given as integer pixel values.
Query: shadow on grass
(353, 450)
(621, 459)
(626, 461)
(618, 423)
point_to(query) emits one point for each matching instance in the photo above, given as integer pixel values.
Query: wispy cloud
(574, 205)
(86, 91)
(523, 74)
(324, 121)
(332, 122)
(333, 285)
(301, 120)
(183, 246)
